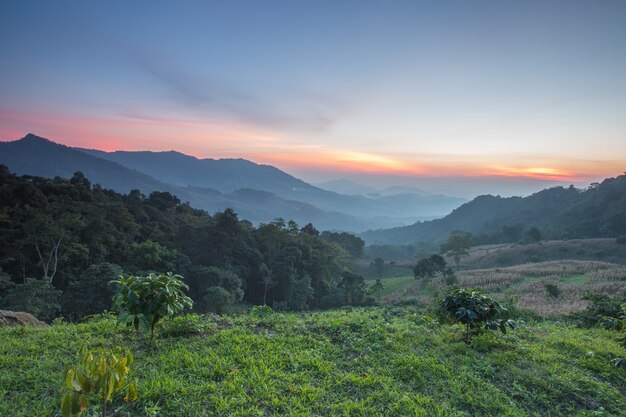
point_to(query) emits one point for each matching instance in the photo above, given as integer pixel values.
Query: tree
(35, 296)
(217, 298)
(90, 292)
(457, 245)
(376, 289)
(429, 267)
(474, 309)
(532, 235)
(150, 256)
(353, 286)
(266, 280)
(142, 301)
(379, 266)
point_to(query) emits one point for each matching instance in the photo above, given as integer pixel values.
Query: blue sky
(497, 93)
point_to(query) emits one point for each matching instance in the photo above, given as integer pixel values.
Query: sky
(463, 97)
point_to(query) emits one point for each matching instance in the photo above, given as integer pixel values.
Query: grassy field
(393, 285)
(364, 362)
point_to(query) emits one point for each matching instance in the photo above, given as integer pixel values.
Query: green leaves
(97, 375)
(142, 301)
(473, 309)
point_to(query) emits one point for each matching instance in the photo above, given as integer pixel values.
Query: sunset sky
(458, 96)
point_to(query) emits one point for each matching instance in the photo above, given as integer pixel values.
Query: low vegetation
(364, 362)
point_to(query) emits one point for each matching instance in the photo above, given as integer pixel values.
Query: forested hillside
(63, 240)
(558, 213)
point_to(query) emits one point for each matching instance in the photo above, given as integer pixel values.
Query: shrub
(216, 299)
(621, 240)
(474, 309)
(144, 300)
(601, 307)
(97, 375)
(552, 290)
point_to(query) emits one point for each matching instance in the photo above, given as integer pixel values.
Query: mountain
(558, 212)
(33, 155)
(216, 184)
(347, 187)
(228, 175)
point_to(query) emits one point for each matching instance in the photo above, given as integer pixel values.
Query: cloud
(291, 110)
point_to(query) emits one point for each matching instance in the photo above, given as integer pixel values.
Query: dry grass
(503, 255)
(527, 282)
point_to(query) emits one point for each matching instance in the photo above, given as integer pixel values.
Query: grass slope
(366, 362)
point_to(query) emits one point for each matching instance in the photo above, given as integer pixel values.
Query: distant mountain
(259, 193)
(347, 187)
(33, 155)
(228, 175)
(559, 213)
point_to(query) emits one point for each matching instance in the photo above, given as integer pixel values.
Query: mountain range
(557, 212)
(258, 193)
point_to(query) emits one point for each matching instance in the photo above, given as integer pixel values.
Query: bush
(621, 240)
(552, 290)
(144, 300)
(98, 376)
(601, 307)
(475, 310)
(216, 299)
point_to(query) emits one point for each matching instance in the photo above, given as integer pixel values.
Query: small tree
(100, 376)
(429, 267)
(457, 245)
(379, 266)
(552, 290)
(376, 289)
(217, 298)
(474, 309)
(142, 301)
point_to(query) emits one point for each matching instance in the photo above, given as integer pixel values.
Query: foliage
(144, 300)
(457, 245)
(65, 232)
(376, 289)
(36, 296)
(100, 376)
(601, 307)
(552, 290)
(353, 286)
(532, 235)
(379, 266)
(216, 299)
(91, 293)
(621, 240)
(429, 267)
(474, 309)
(350, 243)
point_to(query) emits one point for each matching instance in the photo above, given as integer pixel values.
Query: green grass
(575, 279)
(366, 362)
(393, 285)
